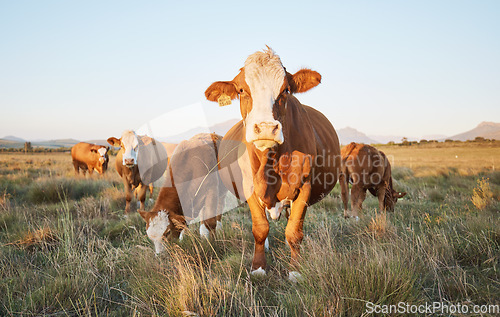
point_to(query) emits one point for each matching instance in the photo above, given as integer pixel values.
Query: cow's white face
(102, 154)
(130, 146)
(263, 87)
(156, 227)
(265, 77)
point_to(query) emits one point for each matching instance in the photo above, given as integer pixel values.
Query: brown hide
(367, 169)
(86, 158)
(303, 169)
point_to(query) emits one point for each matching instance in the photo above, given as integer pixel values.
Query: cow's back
(328, 159)
(81, 153)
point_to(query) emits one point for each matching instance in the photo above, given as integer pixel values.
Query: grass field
(66, 249)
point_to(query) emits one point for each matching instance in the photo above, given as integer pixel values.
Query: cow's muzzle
(129, 162)
(266, 135)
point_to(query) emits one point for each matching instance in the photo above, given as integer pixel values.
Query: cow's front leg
(260, 230)
(142, 195)
(294, 229)
(128, 196)
(381, 196)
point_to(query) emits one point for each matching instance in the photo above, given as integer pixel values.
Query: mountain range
(487, 130)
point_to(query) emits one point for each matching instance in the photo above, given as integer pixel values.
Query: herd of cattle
(282, 156)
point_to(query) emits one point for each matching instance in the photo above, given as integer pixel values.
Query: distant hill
(220, 128)
(348, 135)
(13, 138)
(487, 130)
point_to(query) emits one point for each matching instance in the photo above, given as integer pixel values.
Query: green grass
(437, 246)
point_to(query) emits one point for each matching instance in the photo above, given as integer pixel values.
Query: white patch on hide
(157, 227)
(204, 231)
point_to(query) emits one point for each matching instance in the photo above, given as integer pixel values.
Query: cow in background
(193, 192)
(366, 168)
(141, 161)
(89, 157)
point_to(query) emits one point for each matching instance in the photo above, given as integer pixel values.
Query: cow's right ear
(220, 88)
(114, 141)
(144, 215)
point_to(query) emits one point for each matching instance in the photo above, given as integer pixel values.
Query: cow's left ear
(220, 88)
(114, 141)
(303, 80)
(146, 140)
(93, 150)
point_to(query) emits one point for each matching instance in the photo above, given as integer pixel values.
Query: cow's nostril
(275, 130)
(256, 129)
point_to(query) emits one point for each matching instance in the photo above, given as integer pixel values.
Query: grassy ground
(65, 248)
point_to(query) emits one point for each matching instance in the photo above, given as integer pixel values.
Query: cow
(140, 162)
(194, 192)
(89, 157)
(281, 153)
(367, 169)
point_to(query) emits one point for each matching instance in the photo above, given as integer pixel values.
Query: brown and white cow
(282, 152)
(140, 162)
(367, 169)
(194, 191)
(89, 157)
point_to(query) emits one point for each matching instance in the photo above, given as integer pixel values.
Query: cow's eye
(241, 90)
(287, 90)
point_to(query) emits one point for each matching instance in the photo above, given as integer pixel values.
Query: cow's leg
(381, 196)
(90, 169)
(344, 188)
(209, 213)
(76, 167)
(358, 195)
(260, 230)
(128, 196)
(151, 188)
(294, 229)
(142, 195)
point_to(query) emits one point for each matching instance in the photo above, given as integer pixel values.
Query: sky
(91, 69)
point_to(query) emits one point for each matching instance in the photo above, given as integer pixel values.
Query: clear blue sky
(90, 69)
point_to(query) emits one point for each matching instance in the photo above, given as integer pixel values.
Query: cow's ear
(146, 140)
(114, 141)
(303, 80)
(144, 215)
(93, 150)
(399, 195)
(220, 88)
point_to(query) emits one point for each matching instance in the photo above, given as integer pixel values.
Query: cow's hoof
(219, 226)
(181, 236)
(266, 244)
(258, 272)
(295, 277)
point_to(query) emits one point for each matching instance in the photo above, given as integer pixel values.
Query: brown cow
(140, 162)
(194, 191)
(282, 152)
(89, 157)
(367, 169)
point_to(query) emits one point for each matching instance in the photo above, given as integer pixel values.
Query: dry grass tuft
(380, 225)
(41, 236)
(482, 196)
